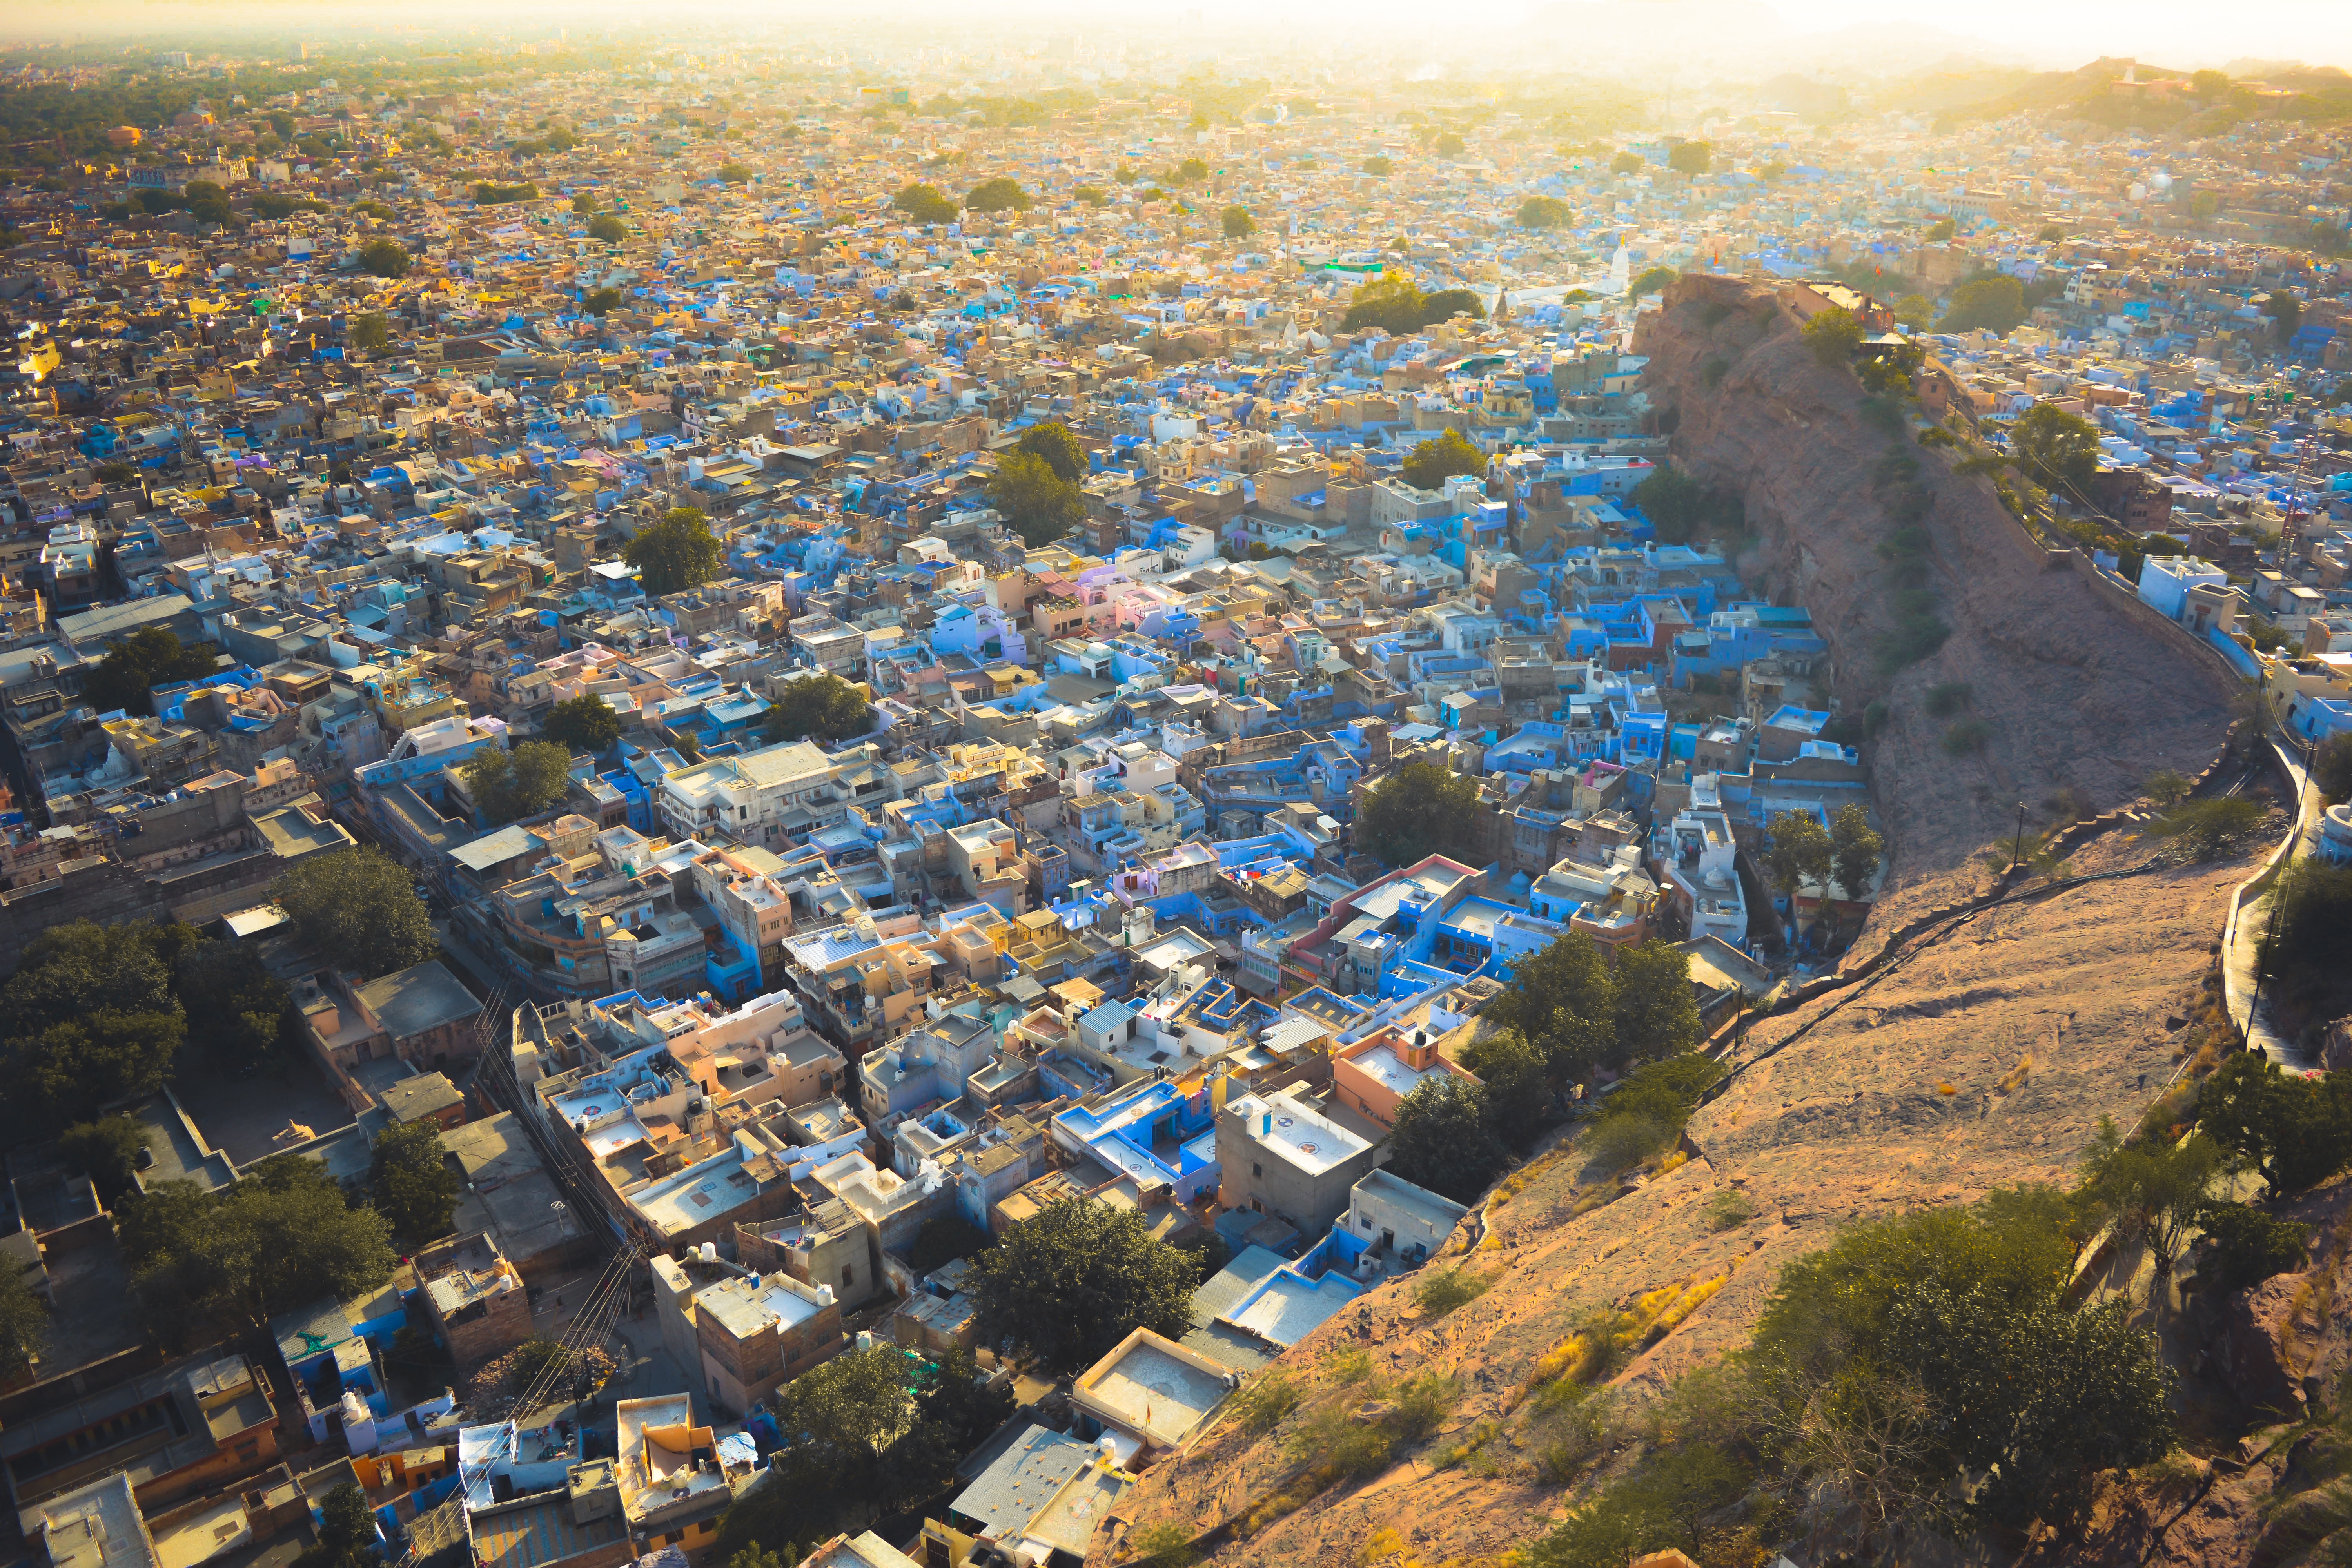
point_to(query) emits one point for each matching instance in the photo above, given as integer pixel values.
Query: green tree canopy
(1379, 167)
(2331, 767)
(2243, 1247)
(2314, 937)
(1942, 229)
(1800, 851)
(924, 204)
(582, 723)
(359, 906)
(1051, 440)
(1690, 157)
(1833, 334)
(1989, 304)
(1237, 223)
(347, 1533)
(2151, 1189)
(24, 1320)
(601, 302)
(2295, 1131)
(528, 778)
(1563, 999)
(1442, 1140)
(89, 1018)
(107, 1151)
(607, 228)
(1651, 280)
(1628, 162)
(411, 1183)
(146, 660)
(818, 708)
(238, 1013)
(1517, 1082)
(585, 202)
(1854, 847)
(1417, 810)
(279, 1239)
(370, 332)
(1544, 212)
(1432, 462)
(384, 258)
(1682, 508)
(1449, 144)
(1070, 1283)
(2058, 450)
(1034, 501)
(1191, 172)
(1394, 303)
(678, 552)
(1003, 193)
(735, 174)
(1653, 1006)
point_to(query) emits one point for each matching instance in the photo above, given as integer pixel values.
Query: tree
(237, 1011)
(735, 174)
(1544, 212)
(1449, 144)
(1432, 462)
(2285, 310)
(1681, 509)
(2294, 1131)
(1651, 280)
(71, 969)
(678, 552)
(347, 1532)
(1071, 1281)
(607, 228)
(2058, 450)
(371, 332)
(1394, 303)
(66, 1070)
(140, 662)
(1689, 157)
(1995, 304)
(384, 258)
(2331, 766)
(1379, 168)
(507, 785)
(1191, 172)
(1854, 847)
(2151, 1189)
(1003, 193)
(818, 708)
(1092, 195)
(1237, 223)
(1799, 851)
(1519, 1091)
(2243, 1246)
(411, 1183)
(582, 723)
(601, 302)
(1833, 334)
(1654, 1008)
(2315, 921)
(279, 1239)
(107, 1151)
(1941, 230)
(1563, 999)
(1052, 441)
(359, 906)
(1417, 810)
(1441, 1139)
(24, 1320)
(941, 1239)
(1037, 503)
(1627, 163)
(925, 204)
(584, 203)
(2167, 787)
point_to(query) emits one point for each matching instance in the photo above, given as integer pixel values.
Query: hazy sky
(2175, 32)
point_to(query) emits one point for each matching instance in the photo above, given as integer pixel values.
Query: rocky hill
(1980, 1052)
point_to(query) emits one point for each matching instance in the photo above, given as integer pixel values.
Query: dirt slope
(2081, 693)
(1982, 1056)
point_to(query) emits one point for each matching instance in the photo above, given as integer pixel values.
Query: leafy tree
(1441, 1140)
(2243, 1246)
(924, 204)
(2167, 787)
(1654, 1008)
(2285, 310)
(1070, 1283)
(411, 1183)
(1379, 167)
(1237, 223)
(2150, 1190)
(1941, 230)
(582, 723)
(530, 778)
(2294, 1131)
(69, 968)
(1662, 1506)
(1563, 1000)
(370, 332)
(1449, 144)
(1518, 1091)
(1432, 462)
(1854, 847)
(1419, 809)
(278, 1239)
(1191, 172)
(490, 194)
(735, 174)
(359, 906)
(237, 1012)
(1833, 334)
(145, 659)
(1003, 193)
(107, 1151)
(1092, 195)
(24, 1320)
(2058, 450)
(1652, 280)
(384, 258)
(1052, 441)
(1683, 509)
(1544, 212)
(817, 708)
(607, 228)
(601, 302)
(347, 1532)
(2209, 83)
(1627, 164)
(1799, 851)
(2205, 827)
(1689, 157)
(1995, 304)
(1394, 303)
(66, 1070)
(2331, 766)
(677, 552)
(2314, 926)
(585, 202)
(1037, 503)
(941, 1240)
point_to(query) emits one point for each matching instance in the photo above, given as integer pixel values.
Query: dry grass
(2016, 1075)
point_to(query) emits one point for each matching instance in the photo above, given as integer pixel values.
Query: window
(1257, 1169)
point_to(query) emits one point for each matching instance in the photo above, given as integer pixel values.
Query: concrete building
(1277, 1154)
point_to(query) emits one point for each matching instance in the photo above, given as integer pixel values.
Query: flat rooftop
(1153, 1386)
(1307, 1139)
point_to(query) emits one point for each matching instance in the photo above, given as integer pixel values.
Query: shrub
(1167, 1544)
(1833, 334)
(1729, 1210)
(1260, 1404)
(2314, 927)
(2244, 1247)
(1624, 1141)
(1948, 699)
(1967, 737)
(1438, 1294)
(2205, 827)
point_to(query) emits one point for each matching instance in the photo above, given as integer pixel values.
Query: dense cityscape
(858, 801)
